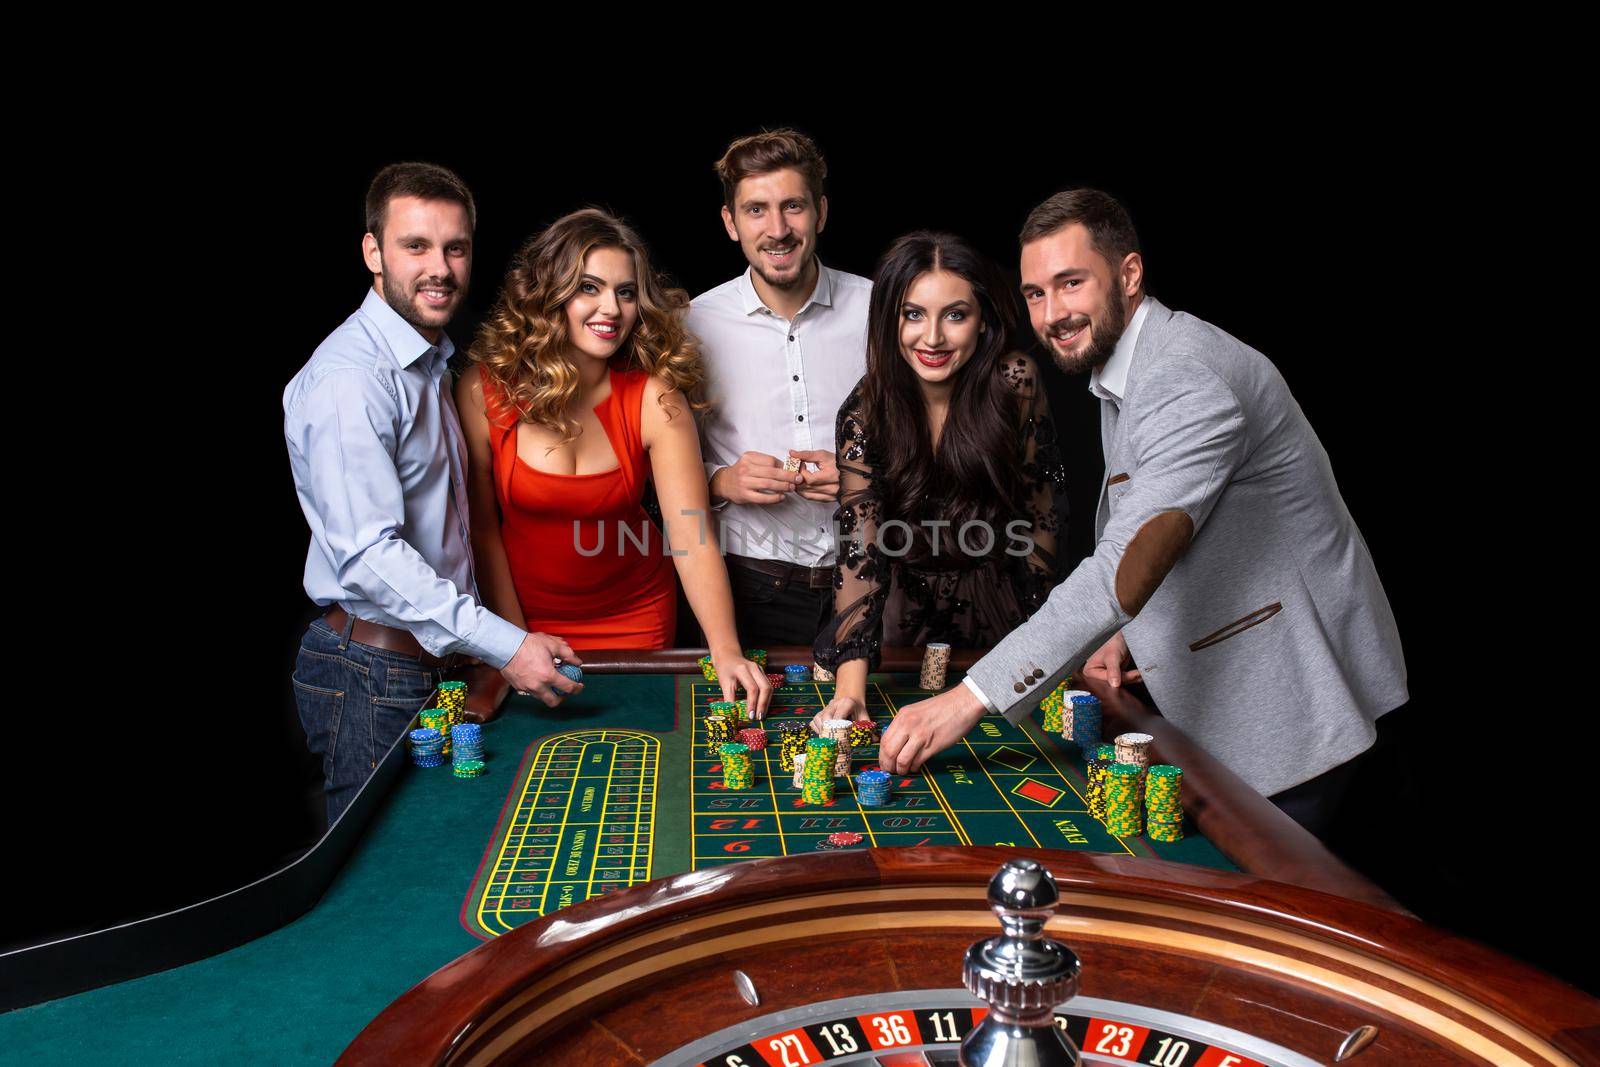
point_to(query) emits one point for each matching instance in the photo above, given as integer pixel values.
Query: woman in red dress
(578, 396)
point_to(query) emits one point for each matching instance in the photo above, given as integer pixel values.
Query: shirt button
(791, 337)
(1019, 687)
(797, 377)
(799, 418)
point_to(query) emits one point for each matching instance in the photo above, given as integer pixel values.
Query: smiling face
(776, 223)
(601, 314)
(425, 260)
(939, 325)
(1077, 302)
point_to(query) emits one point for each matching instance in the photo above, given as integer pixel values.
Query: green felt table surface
(447, 863)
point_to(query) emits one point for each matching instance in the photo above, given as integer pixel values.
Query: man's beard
(789, 282)
(401, 301)
(1104, 333)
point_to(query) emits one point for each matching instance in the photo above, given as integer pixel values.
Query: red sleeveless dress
(574, 540)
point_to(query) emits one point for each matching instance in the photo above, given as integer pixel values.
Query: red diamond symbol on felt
(1038, 792)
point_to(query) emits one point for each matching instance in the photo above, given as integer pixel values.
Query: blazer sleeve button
(1019, 687)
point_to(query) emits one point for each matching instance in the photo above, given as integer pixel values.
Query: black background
(1319, 244)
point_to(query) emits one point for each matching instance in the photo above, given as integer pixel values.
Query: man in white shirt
(784, 343)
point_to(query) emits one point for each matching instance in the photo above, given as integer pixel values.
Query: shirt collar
(821, 294)
(405, 343)
(1110, 381)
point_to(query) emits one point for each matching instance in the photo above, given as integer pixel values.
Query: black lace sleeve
(861, 577)
(1043, 479)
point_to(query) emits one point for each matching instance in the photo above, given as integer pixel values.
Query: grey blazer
(1228, 559)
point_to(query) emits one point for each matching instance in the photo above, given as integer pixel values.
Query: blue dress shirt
(379, 465)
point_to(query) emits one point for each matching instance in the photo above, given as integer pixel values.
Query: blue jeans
(354, 702)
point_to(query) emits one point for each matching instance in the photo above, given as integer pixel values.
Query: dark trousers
(1316, 804)
(773, 609)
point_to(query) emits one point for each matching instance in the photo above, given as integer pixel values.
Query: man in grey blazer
(1226, 563)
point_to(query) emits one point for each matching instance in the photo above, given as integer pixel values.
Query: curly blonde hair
(523, 344)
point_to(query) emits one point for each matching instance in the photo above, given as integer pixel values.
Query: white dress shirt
(777, 384)
(1108, 382)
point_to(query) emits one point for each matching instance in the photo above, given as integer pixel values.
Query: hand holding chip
(927, 728)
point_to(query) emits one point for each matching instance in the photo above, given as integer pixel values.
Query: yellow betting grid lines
(645, 745)
(984, 767)
(653, 769)
(772, 791)
(933, 783)
(523, 819)
(522, 824)
(1044, 750)
(566, 821)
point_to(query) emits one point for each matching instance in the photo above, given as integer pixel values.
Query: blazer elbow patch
(1149, 556)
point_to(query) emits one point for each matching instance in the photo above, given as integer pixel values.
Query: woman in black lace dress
(948, 470)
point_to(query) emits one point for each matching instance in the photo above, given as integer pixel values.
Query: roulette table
(587, 898)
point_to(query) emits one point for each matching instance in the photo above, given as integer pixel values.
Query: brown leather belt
(387, 638)
(812, 577)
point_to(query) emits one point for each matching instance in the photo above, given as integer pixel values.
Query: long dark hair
(975, 474)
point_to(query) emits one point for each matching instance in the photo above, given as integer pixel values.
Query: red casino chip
(844, 837)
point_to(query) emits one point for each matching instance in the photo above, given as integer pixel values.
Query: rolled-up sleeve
(344, 428)
(1186, 444)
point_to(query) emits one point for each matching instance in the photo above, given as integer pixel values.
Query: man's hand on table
(1111, 664)
(532, 671)
(927, 727)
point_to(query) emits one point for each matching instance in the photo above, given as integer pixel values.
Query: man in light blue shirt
(379, 466)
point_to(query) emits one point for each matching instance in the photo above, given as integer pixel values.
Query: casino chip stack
(776, 678)
(1085, 725)
(754, 738)
(816, 779)
(726, 708)
(568, 671)
(738, 770)
(1051, 706)
(844, 839)
(707, 669)
(741, 712)
(800, 770)
(1098, 768)
(437, 719)
(819, 673)
(795, 673)
(453, 698)
(872, 788)
(1163, 803)
(1122, 800)
(1135, 749)
(467, 768)
(466, 738)
(935, 662)
(719, 731)
(1069, 701)
(862, 734)
(758, 656)
(427, 747)
(792, 737)
(838, 731)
